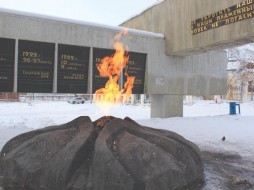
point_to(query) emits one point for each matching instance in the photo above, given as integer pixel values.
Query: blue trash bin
(232, 108)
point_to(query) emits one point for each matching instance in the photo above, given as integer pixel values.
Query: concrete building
(192, 27)
(195, 26)
(180, 41)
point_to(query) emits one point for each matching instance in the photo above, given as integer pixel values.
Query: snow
(204, 123)
(233, 65)
(79, 22)
(138, 14)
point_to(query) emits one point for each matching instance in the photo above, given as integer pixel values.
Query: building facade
(55, 50)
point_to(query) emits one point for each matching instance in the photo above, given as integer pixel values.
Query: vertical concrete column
(142, 99)
(245, 91)
(15, 86)
(252, 88)
(124, 99)
(132, 99)
(164, 106)
(90, 71)
(55, 69)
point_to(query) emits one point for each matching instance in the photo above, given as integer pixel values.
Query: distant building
(9, 96)
(240, 81)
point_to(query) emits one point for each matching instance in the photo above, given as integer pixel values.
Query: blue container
(232, 108)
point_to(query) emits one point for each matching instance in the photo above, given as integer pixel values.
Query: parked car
(77, 100)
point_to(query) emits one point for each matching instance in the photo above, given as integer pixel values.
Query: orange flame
(111, 67)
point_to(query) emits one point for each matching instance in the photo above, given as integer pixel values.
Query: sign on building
(72, 74)
(7, 56)
(35, 66)
(136, 66)
(98, 55)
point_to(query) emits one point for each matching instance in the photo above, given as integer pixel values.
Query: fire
(111, 67)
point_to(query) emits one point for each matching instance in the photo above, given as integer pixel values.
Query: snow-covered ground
(204, 122)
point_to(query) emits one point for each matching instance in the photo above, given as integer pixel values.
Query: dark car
(77, 100)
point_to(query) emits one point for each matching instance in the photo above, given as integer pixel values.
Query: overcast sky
(108, 12)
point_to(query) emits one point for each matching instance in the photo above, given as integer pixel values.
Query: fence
(136, 98)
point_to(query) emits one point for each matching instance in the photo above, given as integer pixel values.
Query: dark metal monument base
(107, 154)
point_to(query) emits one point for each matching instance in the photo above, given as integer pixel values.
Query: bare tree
(231, 86)
(243, 58)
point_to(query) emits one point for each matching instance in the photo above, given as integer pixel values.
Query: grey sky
(108, 12)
